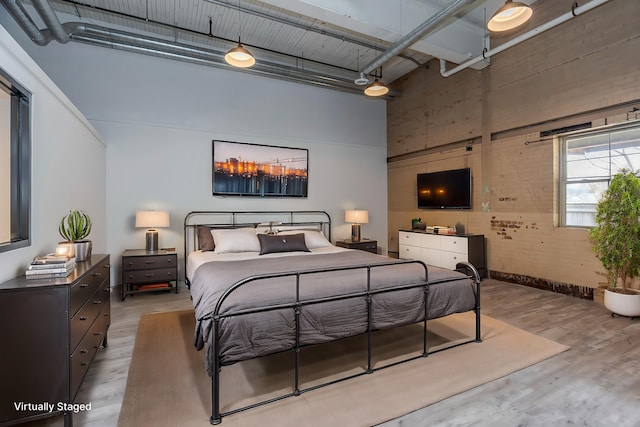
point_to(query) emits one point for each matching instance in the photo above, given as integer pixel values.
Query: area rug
(168, 386)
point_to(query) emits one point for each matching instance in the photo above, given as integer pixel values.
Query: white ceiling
(328, 41)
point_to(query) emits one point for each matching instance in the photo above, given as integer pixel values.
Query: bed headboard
(318, 220)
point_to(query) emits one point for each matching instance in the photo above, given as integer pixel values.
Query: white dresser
(444, 250)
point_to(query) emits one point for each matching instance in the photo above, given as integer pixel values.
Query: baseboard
(582, 292)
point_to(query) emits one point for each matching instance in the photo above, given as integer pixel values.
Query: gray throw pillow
(205, 239)
(285, 243)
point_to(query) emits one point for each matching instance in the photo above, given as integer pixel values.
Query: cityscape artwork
(243, 169)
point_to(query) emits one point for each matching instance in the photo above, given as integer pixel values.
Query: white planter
(624, 305)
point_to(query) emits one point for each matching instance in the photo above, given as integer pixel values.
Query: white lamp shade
(152, 219)
(376, 89)
(239, 57)
(356, 217)
(510, 16)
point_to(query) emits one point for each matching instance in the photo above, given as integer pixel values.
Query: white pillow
(314, 239)
(235, 240)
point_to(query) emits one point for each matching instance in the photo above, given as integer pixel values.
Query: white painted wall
(68, 162)
(158, 118)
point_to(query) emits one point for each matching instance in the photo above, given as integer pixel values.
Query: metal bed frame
(216, 316)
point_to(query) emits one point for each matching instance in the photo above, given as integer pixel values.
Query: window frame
(563, 181)
(20, 152)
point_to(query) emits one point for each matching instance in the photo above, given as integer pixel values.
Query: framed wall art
(244, 169)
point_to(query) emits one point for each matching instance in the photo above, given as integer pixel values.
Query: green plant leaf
(76, 225)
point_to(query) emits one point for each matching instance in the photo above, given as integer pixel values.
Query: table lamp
(152, 220)
(356, 217)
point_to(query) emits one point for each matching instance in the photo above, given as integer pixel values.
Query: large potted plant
(616, 242)
(75, 227)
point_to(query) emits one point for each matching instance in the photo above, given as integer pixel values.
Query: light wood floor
(596, 383)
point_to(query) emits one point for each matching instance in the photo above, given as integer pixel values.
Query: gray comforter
(258, 334)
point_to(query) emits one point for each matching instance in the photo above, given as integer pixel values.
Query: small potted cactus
(75, 227)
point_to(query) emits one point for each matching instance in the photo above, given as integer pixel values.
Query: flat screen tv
(243, 169)
(449, 189)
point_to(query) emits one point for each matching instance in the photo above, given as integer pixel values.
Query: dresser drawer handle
(84, 285)
(83, 318)
(97, 334)
(97, 302)
(150, 262)
(97, 273)
(149, 275)
(83, 351)
(84, 363)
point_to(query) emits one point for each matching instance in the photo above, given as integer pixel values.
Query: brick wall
(586, 70)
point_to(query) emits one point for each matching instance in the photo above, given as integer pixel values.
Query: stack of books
(50, 266)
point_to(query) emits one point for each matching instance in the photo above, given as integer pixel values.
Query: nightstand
(363, 245)
(148, 271)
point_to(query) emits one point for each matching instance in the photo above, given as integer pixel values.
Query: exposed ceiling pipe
(50, 19)
(130, 42)
(416, 34)
(16, 10)
(575, 11)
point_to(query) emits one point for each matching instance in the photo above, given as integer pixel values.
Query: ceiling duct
(17, 12)
(130, 42)
(416, 34)
(50, 19)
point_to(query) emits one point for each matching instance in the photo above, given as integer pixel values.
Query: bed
(270, 282)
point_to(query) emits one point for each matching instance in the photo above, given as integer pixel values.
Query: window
(15, 164)
(588, 161)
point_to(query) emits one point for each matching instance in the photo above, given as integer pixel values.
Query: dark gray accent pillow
(205, 239)
(285, 243)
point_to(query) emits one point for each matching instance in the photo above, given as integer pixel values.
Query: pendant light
(510, 16)
(239, 56)
(376, 89)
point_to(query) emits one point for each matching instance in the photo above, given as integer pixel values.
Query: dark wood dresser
(50, 331)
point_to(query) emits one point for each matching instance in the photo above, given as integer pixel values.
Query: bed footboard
(296, 305)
